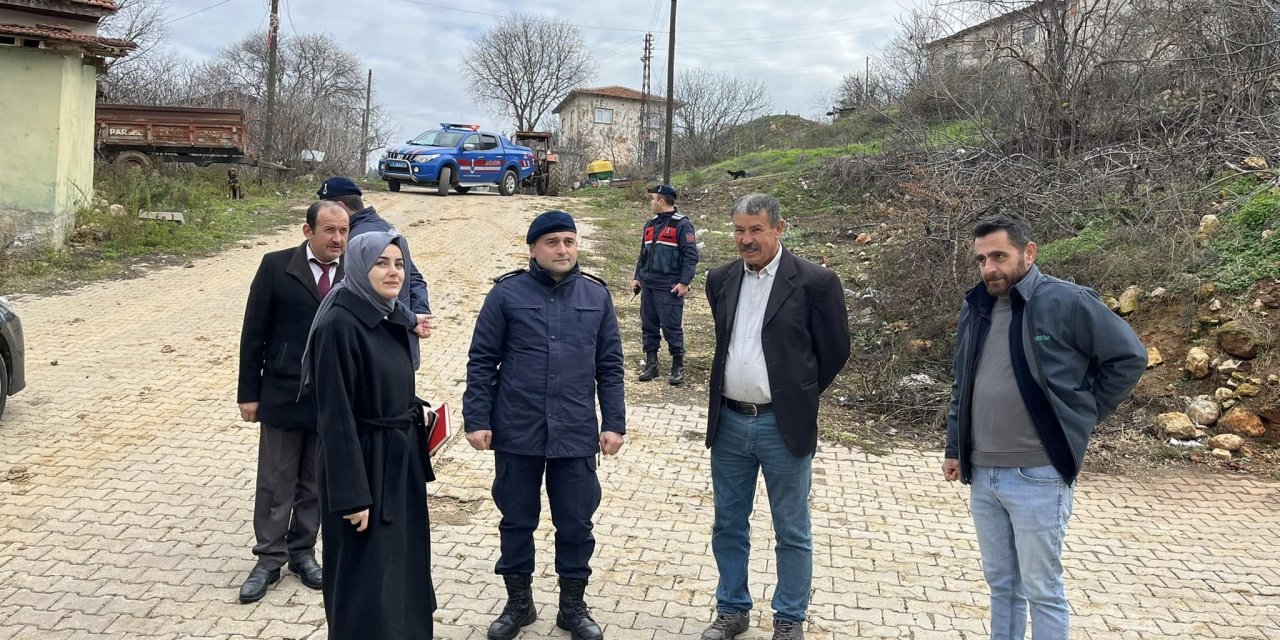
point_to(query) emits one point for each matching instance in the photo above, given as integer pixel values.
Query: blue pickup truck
(458, 157)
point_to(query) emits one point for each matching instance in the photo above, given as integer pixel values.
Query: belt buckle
(749, 409)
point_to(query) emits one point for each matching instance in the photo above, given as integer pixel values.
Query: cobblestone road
(126, 492)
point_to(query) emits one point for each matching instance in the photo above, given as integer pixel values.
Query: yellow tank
(600, 169)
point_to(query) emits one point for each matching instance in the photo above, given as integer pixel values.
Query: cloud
(799, 50)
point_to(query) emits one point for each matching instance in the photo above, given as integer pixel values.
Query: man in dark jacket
(782, 335)
(1039, 363)
(283, 300)
(545, 346)
(667, 263)
(413, 296)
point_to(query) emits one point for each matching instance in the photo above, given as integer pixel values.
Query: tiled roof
(97, 45)
(105, 4)
(609, 92)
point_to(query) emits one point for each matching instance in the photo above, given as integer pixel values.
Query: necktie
(324, 284)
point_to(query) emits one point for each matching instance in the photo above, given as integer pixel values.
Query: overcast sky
(799, 49)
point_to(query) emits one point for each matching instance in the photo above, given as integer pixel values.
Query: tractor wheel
(510, 183)
(446, 181)
(132, 160)
(553, 180)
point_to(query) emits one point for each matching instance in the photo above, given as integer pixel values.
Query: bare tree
(709, 106)
(141, 22)
(525, 65)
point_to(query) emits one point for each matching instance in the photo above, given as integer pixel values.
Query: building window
(604, 116)
(1029, 35)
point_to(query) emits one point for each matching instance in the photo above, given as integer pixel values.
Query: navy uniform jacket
(413, 295)
(541, 354)
(668, 252)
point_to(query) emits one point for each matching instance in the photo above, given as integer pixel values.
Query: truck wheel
(462, 190)
(393, 185)
(446, 179)
(553, 180)
(132, 160)
(4, 385)
(510, 183)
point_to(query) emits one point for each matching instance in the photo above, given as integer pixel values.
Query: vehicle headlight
(426, 157)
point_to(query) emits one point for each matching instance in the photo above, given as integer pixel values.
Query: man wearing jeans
(1039, 363)
(782, 335)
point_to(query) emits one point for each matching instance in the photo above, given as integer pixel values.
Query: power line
(194, 13)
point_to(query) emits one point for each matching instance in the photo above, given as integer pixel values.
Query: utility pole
(866, 83)
(671, 93)
(272, 44)
(364, 138)
(645, 117)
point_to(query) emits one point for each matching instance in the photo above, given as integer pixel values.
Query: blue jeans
(742, 448)
(1020, 514)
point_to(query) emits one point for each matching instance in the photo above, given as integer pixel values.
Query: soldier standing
(668, 261)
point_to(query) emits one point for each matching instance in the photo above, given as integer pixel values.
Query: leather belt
(747, 408)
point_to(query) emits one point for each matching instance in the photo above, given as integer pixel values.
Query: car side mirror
(468, 147)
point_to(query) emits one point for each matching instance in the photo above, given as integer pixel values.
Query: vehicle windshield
(438, 139)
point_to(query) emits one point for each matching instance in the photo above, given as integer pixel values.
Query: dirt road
(126, 491)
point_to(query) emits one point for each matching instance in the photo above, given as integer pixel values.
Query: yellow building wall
(46, 145)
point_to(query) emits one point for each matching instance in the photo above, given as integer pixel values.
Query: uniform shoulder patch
(508, 275)
(678, 216)
(595, 278)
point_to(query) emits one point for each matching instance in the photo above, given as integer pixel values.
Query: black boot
(519, 611)
(574, 616)
(650, 367)
(677, 371)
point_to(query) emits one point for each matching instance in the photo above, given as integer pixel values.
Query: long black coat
(377, 583)
(282, 303)
(805, 338)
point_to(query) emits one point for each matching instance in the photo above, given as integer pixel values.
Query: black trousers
(662, 310)
(286, 506)
(574, 493)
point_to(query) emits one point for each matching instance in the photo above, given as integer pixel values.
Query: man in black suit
(283, 300)
(782, 335)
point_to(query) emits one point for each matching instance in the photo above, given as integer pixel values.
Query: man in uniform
(413, 295)
(667, 263)
(545, 346)
(283, 300)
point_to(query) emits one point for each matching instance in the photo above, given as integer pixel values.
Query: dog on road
(737, 174)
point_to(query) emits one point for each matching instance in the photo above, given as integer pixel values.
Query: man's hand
(681, 290)
(610, 442)
(249, 411)
(360, 520)
(951, 469)
(423, 328)
(635, 287)
(480, 440)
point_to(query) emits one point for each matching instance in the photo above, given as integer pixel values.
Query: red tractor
(546, 176)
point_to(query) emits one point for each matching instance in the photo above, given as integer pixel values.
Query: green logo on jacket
(1041, 338)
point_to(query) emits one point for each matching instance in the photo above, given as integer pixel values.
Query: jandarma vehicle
(12, 354)
(458, 157)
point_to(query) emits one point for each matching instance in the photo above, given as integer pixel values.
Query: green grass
(773, 161)
(103, 243)
(1090, 240)
(1243, 256)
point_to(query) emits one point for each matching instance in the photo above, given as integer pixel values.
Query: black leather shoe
(574, 616)
(677, 375)
(650, 368)
(309, 572)
(519, 612)
(256, 585)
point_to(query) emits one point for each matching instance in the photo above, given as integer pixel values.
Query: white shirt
(746, 377)
(316, 271)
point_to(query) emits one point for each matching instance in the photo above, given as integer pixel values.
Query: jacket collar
(367, 213)
(545, 278)
(1026, 287)
(300, 268)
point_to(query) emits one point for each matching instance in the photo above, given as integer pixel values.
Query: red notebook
(439, 427)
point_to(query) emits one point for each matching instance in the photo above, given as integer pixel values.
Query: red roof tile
(609, 92)
(93, 44)
(105, 4)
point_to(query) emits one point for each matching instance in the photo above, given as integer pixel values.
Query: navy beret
(338, 186)
(664, 190)
(549, 222)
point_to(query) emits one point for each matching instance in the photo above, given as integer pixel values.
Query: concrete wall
(46, 132)
(619, 142)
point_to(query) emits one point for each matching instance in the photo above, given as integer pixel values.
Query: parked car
(13, 377)
(458, 157)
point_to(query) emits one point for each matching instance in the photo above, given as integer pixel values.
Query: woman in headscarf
(374, 462)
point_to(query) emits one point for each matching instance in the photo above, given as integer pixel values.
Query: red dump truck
(140, 136)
